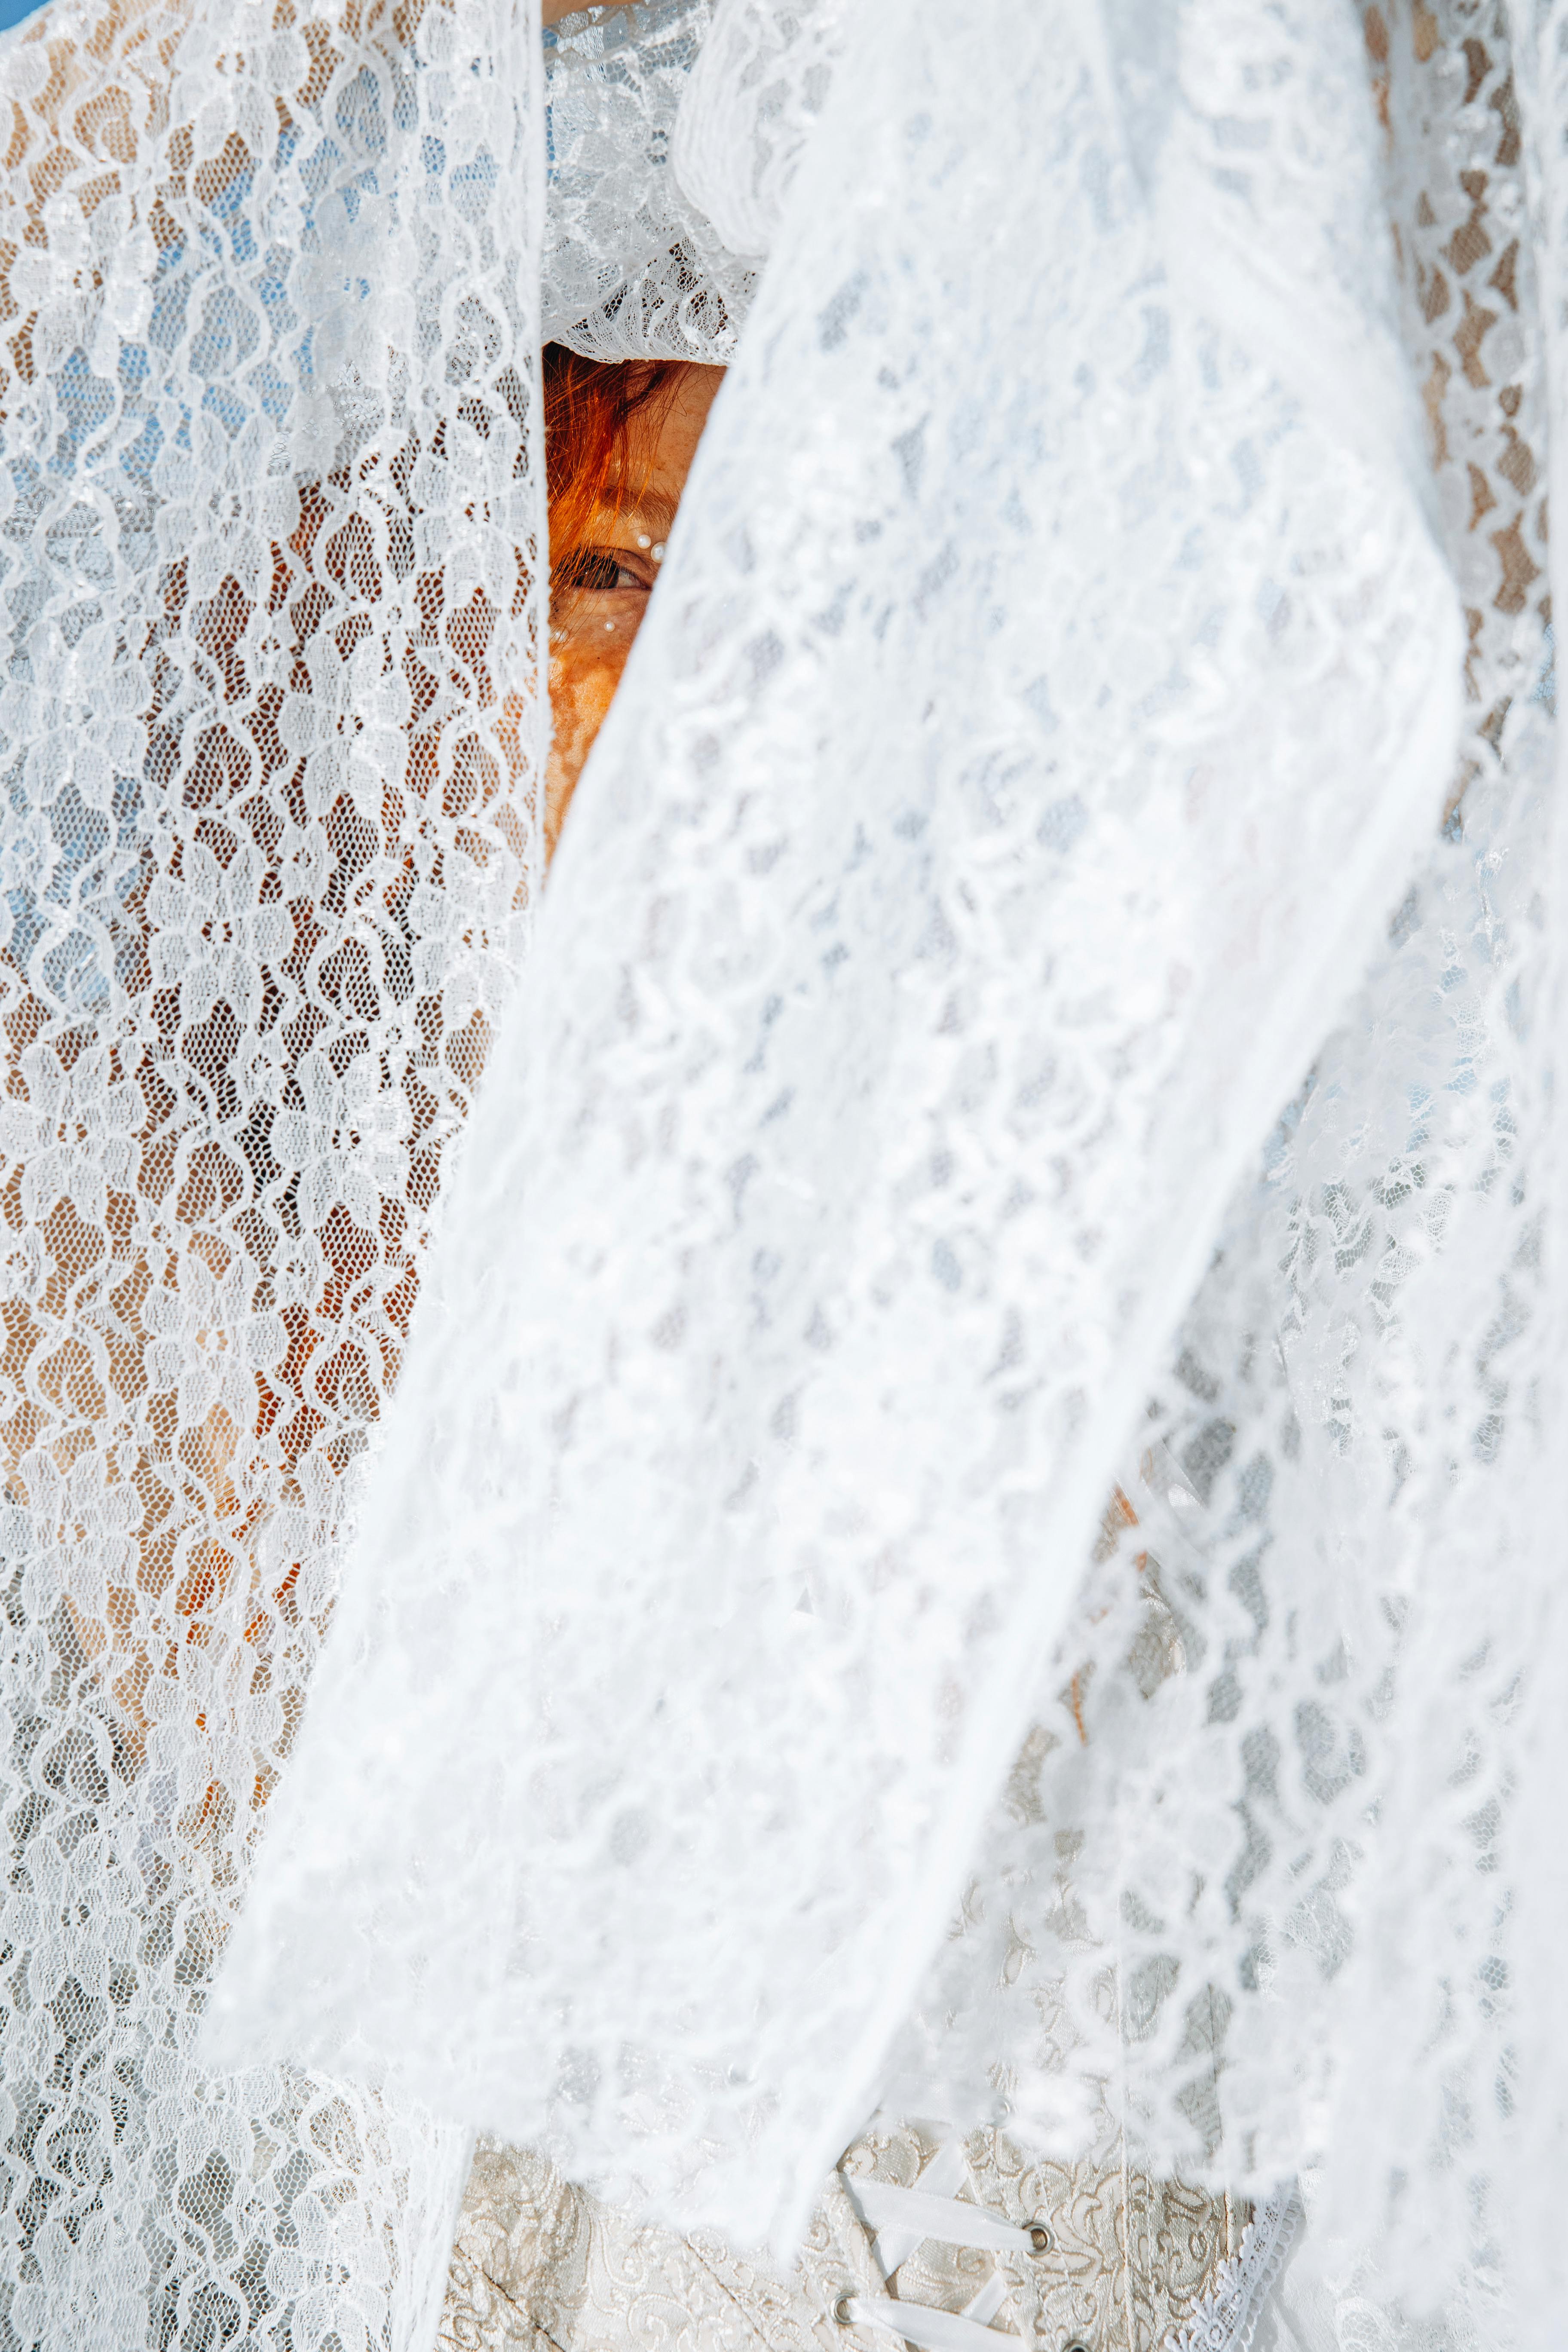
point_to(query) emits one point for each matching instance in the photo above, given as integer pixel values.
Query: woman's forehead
(649, 509)
(663, 437)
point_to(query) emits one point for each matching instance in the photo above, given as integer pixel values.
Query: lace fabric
(757, 91)
(1382, 1284)
(1044, 761)
(1232, 2314)
(865, 1182)
(633, 267)
(270, 552)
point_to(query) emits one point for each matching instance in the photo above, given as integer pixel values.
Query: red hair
(590, 406)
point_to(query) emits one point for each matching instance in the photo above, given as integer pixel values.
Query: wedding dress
(1047, 994)
(1123, 2261)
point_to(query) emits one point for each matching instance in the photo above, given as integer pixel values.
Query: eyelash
(598, 571)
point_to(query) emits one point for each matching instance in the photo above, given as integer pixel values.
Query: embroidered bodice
(1100, 2255)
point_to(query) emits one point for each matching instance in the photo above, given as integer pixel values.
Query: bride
(1029, 1005)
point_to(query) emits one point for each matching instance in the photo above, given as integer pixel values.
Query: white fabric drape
(1051, 702)
(1049, 998)
(272, 523)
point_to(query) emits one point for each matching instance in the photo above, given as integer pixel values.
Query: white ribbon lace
(901, 2218)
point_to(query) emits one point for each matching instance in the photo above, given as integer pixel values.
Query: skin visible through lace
(600, 596)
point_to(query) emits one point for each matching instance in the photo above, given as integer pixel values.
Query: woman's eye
(598, 571)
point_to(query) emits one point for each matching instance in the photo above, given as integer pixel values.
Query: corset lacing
(901, 2219)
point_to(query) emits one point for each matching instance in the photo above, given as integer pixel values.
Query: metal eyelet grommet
(1078, 2345)
(842, 2312)
(1040, 2241)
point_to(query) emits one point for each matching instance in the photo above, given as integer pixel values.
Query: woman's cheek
(583, 682)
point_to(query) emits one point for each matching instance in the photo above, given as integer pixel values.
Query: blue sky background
(13, 10)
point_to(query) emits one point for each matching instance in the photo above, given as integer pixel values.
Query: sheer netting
(1269, 1797)
(1040, 1042)
(972, 1516)
(270, 563)
(632, 268)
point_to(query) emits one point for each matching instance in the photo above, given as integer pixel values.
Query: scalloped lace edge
(1226, 2320)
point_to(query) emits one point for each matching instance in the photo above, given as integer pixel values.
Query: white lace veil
(270, 562)
(973, 1515)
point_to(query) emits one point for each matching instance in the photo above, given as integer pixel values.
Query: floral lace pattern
(888, 1062)
(758, 89)
(1055, 665)
(1267, 1586)
(632, 270)
(269, 563)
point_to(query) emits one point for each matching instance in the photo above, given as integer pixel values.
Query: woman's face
(597, 609)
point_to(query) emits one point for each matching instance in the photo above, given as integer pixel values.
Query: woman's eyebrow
(653, 511)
